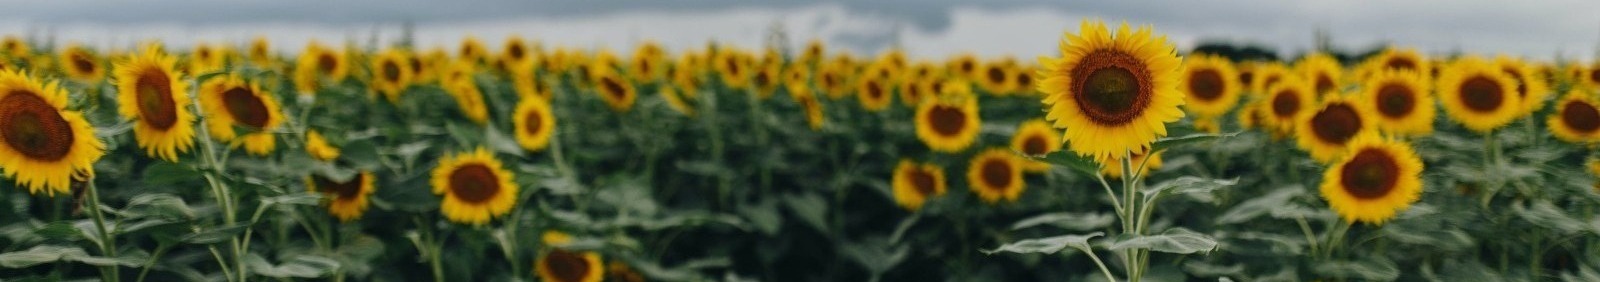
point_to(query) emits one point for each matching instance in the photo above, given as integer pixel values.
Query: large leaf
(214, 235)
(1188, 184)
(810, 208)
(1176, 240)
(1545, 214)
(1048, 245)
(299, 266)
(1169, 142)
(161, 205)
(1371, 269)
(1259, 206)
(1067, 220)
(1067, 159)
(50, 253)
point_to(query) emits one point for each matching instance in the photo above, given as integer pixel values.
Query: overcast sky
(1534, 29)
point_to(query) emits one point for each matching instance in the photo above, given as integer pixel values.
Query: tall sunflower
(797, 79)
(1576, 118)
(616, 91)
(995, 174)
(154, 94)
(964, 65)
(534, 123)
(1209, 82)
(45, 145)
(81, 64)
(1285, 103)
(232, 102)
(872, 93)
(914, 183)
(474, 186)
(1322, 72)
(735, 72)
(1400, 102)
(347, 200)
(1328, 130)
(1378, 179)
(948, 123)
(391, 73)
(1398, 59)
(1477, 95)
(1113, 94)
(1035, 138)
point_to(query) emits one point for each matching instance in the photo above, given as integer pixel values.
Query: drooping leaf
(1188, 184)
(1176, 240)
(1258, 206)
(1067, 220)
(1371, 269)
(1048, 245)
(1169, 142)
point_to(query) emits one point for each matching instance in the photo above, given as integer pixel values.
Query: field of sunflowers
(1120, 158)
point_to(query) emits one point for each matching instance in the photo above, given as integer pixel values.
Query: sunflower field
(1120, 158)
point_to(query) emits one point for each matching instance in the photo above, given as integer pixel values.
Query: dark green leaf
(1176, 240)
(1169, 142)
(1048, 245)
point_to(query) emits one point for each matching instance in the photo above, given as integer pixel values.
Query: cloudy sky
(1535, 29)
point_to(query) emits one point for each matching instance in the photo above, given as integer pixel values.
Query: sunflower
(1209, 82)
(646, 62)
(207, 58)
(1378, 179)
(995, 77)
(1327, 130)
(1400, 102)
(14, 46)
(1285, 103)
(963, 65)
(1576, 118)
(1267, 75)
(797, 79)
(621, 272)
(528, 83)
(261, 51)
(873, 93)
(1024, 80)
(914, 183)
(1478, 96)
(319, 65)
(618, 93)
(534, 123)
(515, 52)
(1531, 87)
(45, 146)
(1587, 76)
(347, 200)
(1113, 94)
(392, 73)
(912, 91)
(1322, 71)
(1112, 167)
(1401, 59)
(813, 109)
(232, 102)
(995, 174)
(474, 187)
(732, 67)
(765, 80)
(459, 81)
(557, 265)
(319, 148)
(677, 102)
(814, 52)
(153, 93)
(472, 50)
(1035, 138)
(948, 123)
(685, 73)
(81, 64)
(833, 79)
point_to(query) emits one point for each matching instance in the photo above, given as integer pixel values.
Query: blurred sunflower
(1268, 75)
(1530, 85)
(347, 200)
(534, 123)
(1322, 71)
(948, 123)
(620, 272)
(206, 58)
(231, 102)
(1285, 103)
(472, 50)
(914, 183)
(616, 91)
(81, 64)
(685, 73)
(319, 148)
(1112, 168)
(873, 93)
(797, 79)
(676, 101)
(558, 265)
(319, 65)
(912, 91)
(814, 52)
(1477, 95)
(392, 73)
(261, 52)
(514, 52)
(1209, 82)
(732, 68)
(154, 94)
(1025, 82)
(995, 174)
(45, 145)
(1207, 124)
(833, 79)
(1400, 102)
(1576, 118)
(1035, 138)
(14, 46)
(963, 65)
(1378, 179)
(474, 187)
(995, 77)
(528, 83)
(460, 83)
(1113, 94)
(1327, 130)
(765, 80)
(812, 108)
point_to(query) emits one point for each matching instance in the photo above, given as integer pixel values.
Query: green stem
(1115, 203)
(430, 248)
(1306, 229)
(108, 245)
(151, 262)
(1337, 238)
(1102, 265)
(224, 266)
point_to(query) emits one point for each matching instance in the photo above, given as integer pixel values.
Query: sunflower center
(1246, 77)
(967, 66)
(1034, 145)
(946, 120)
(644, 66)
(83, 62)
(1024, 79)
(1206, 84)
(391, 71)
(1401, 63)
(1112, 88)
(1336, 124)
(830, 79)
(996, 173)
(416, 64)
(1396, 101)
(913, 92)
(997, 75)
(474, 183)
(1594, 75)
(922, 181)
(762, 79)
(1481, 94)
(873, 91)
(1581, 116)
(326, 63)
(515, 51)
(34, 128)
(245, 107)
(343, 190)
(532, 122)
(566, 266)
(733, 66)
(1270, 81)
(1324, 84)
(613, 87)
(154, 93)
(1371, 174)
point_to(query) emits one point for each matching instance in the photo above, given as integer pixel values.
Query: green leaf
(1261, 205)
(500, 142)
(1067, 220)
(59, 230)
(305, 199)
(362, 155)
(213, 235)
(1048, 245)
(763, 215)
(1067, 159)
(299, 266)
(1169, 142)
(1176, 240)
(37, 255)
(1547, 215)
(114, 130)
(1188, 184)
(1372, 269)
(160, 205)
(810, 208)
(874, 254)
(167, 173)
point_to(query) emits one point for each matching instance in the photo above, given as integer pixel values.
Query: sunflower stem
(1306, 229)
(430, 248)
(1115, 203)
(108, 246)
(1102, 265)
(151, 262)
